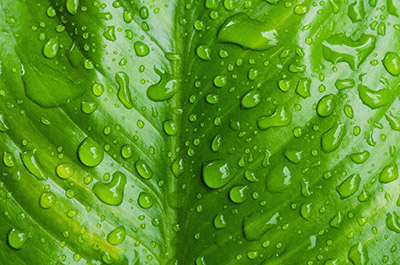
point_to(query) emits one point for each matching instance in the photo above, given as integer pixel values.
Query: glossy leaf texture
(199, 132)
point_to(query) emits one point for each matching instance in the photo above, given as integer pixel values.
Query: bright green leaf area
(199, 132)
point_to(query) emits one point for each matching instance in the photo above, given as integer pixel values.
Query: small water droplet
(220, 81)
(143, 169)
(360, 157)
(251, 99)
(127, 151)
(392, 222)
(72, 6)
(293, 155)
(65, 171)
(303, 88)
(326, 105)
(47, 200)
(170, 127)
(145, 200)
(336, 220)
(8, 160)
(17, 238)
(238, 194)
(358, 254)
(204, 52)
(258, 223)
(165, 89)
(278, 179)
(374, 98)
(109, 33)
(219, 221)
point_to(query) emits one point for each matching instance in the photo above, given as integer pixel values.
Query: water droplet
(72, 6)
(394, 121)
(127, 151)
(341, 84)
(392, 63)
(220, 80)
(8, 160)
(3, 125)
(217, 173)
(392, 222)
(339, 48)
(360, 157)
(141, 49)
(170, 127)
(47, 200)
(219, 221)
(204, 52)
(65, 171)
(326, 105)
(279, 177)
(143, 169)
(389, 173)
(332, 138)
(17, 238)
(336, 220)
(238, 194)
(109, 33)
(303, 88)
(216, 143)
(90, 153)
(305, 210)
(280, 117)
(258, 223)
(177, 167)
(251, 99)
(348, 110)
(248, 33)
(374, 98)
(111, 193)
(212, 99)
(251, 176)
(124, 94)
(356, 11)
(285, 84)
(97, 89)
(50, 49)
(293, 155)
(165, 89)
(393, 7)
(117, 236)
(145, 200)
(32, 165)
(305, 188)
(358, 254)
(349, 186)
(89, 107)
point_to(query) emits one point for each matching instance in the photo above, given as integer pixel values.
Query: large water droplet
(358, 254)
(3, 124)
(141, 49)
(111, 193)
(124, 94)
(248, 33)
(117, 236)
(326, 105)
(238, 194)
(293, 155)
(374, 98)
(90, 153)
(65, 171)
(17, 238)
(258, 223)
(47, 200)
(251, 99)
(349, 186)
(72, 6)
(389, 173)
(332, 138)
(360, 157)
(336, 220)
(145, 200)
(165, 89)
(50, 49)
(32, 165)
(280, 117)
(339, 48)
(217, 173)
(303, 87)
(279, 177)
(143, 169)
(392, 63)
(204, 52)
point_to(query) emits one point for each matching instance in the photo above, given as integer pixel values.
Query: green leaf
(199, 132)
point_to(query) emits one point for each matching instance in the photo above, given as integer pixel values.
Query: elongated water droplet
(111, 193)
(251, 99)
(47, 200)
(165, 89)
(124, 94)
(326, 105)
(217, 173)
(389, 173)
(50, 49)
(356, 11)
(32, 165)
(339, 48)
(3, 124)
(349, 186)
(143, 169)
(374, 98)
(279, 177)
(360, 157)
(145, 200)
(392, 222)
(305, 210)
(303, 88)
(90, 153)
(280, 117)
(258, 223)
(216, 143)
(332, 138)
(72, 6)
(109, 33)
(392, 63)
(117, 236)
(17, 238)
(358, 254)
(336, 220)
(177, 167)
(248, 33)
(344, 83)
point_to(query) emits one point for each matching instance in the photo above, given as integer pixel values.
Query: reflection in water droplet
(392, 63)
(204, 52)
(238, 194)
(141, 49)
(219, 221)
